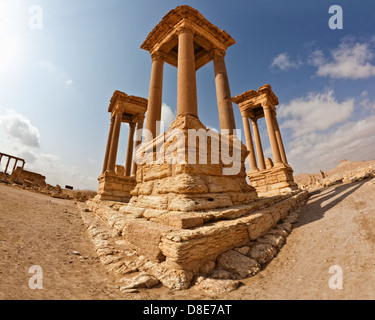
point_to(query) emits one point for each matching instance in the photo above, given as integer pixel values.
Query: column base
(114, 187)
(273, 181)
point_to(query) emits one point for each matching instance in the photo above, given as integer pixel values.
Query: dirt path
(336, 227)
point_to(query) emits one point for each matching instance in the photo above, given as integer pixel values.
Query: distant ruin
(21, 176)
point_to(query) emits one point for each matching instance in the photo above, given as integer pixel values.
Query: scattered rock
(76, 253)
(214, 287)
(222, 275)
(272, 239)
(208, 267)
(143, 280)
(236, 262)
(262, 252)
(243, 250)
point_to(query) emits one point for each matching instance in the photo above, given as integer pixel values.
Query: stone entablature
(163, 39)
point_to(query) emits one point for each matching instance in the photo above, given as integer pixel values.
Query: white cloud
(349, 61)
(18, 137)
(353, 140)
(284, 62)
(18, 127)
(167, 115)
(323, 133)
(317, 111)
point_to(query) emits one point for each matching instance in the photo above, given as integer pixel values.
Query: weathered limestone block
(208, 267)
(153, 213)
(260, 224)
(191, 248)
(222, 274)
(135, 211)
(262, 252)
(199, 169)
(222, 184)
(174, 279)
(234, 261)
(180, 220)
(156, 171)
(199, 202)
(276, 241)
(142, 280)
(154, 202)
(182, 183)
(243, 197)
(214, 287)
(146, 236)
(243, 250)
(144, 188)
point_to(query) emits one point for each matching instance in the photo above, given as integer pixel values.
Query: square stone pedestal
(274, 181)
(115, 187)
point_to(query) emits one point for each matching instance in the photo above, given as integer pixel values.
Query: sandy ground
(336, 227)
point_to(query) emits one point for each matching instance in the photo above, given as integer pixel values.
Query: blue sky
(56, 82)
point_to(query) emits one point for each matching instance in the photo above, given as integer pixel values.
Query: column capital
(216, 52)
(267, 105)
(184, 29)
(157, 55)
(132, 125)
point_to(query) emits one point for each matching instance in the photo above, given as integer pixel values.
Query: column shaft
(114, 143)
(155, 96)
(14, 166)
(271, 134)
(223, 95)
(186, 81)
(138, 141)
(258, 145)
(249, 143)
(108, 148)
(129, 154)
(6, 167)
(279, 140)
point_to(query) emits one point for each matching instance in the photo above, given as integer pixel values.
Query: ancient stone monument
(270, 178)
(115, 182)
(16, 159)
(190, 204)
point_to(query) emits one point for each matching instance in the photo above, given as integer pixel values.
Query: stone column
(23, 165)
(114, 143)
(155, 95)
(223, 95)
(138, 139)
(279, 139)
(249, 143)
(6, 167)
(14, 166)
(129, 154)
(108, 148)
(271, 133)
(186, 81)
(258, 144)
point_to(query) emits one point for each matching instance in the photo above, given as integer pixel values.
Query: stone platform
(273, 180)
(115, 187)
(173, 251)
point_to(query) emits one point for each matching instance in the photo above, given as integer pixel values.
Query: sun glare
(9, 37)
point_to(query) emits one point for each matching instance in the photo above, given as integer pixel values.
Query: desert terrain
(335, 228)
